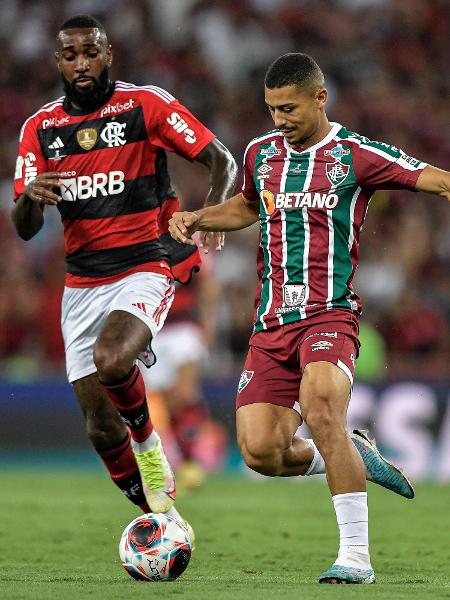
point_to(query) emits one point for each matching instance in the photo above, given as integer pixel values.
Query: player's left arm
(434, 181)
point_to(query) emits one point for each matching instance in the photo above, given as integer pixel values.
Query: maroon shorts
(276, 358)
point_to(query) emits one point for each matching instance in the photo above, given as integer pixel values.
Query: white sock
(317, 465)
(147, 444)
(352, 515)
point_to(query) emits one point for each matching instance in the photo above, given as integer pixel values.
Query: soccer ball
(155, 547)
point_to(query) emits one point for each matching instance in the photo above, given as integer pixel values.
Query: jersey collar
(335, 127)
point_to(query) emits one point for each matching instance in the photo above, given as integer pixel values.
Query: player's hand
(209, 237)
(182, 225)
(41, 188)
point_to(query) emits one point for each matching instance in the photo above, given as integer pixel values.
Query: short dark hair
(294, 68)
(82, 21)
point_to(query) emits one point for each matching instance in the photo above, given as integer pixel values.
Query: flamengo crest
(245, 379)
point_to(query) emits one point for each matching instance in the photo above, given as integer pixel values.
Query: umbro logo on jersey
(321, 345)
(58, 143)
(264, 168)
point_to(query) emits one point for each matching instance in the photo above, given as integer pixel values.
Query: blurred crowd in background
(386, 69)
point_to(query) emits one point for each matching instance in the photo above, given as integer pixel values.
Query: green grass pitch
(257, 539)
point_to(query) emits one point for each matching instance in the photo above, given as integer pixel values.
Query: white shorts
(147, 296)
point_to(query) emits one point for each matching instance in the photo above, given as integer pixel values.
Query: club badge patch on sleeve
(245, 379)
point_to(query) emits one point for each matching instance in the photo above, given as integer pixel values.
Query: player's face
(83, 57)
(297, 114)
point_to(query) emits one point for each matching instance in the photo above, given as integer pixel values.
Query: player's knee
(112, 363)
(263, 459)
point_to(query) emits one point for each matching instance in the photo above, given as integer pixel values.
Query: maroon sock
(124, 472)
(130, 400)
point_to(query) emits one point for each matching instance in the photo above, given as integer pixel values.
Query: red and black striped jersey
(312, 205)
(115, 176)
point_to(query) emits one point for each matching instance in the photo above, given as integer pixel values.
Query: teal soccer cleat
(379, 470)
(341, 574)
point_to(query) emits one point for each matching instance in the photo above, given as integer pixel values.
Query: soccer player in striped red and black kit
(308, 183)
(98, 155)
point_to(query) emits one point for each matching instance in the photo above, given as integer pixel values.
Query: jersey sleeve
(174, 128)
(249, 190)
(381, 166)
(30, 161)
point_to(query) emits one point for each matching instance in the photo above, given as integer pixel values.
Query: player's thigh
(136, 315)
(324, 388)
(327, 362)
(263, 429)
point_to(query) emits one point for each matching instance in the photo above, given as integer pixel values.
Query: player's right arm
(27, 215)
(236, 213)
(33, 183)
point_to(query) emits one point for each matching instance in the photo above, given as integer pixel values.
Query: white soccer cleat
(158, 480)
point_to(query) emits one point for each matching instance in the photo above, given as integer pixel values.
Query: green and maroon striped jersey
(312, 206)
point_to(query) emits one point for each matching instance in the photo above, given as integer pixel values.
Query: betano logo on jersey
(84, 187)
(298, 200)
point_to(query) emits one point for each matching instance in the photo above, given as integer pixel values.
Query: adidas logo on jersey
(58, 143)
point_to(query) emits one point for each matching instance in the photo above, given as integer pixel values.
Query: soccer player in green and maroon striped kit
(309, 183)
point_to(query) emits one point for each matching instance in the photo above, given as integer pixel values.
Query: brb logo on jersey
(85, 187)
(180, 126)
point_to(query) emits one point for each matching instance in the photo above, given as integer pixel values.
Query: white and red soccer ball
(154, 547)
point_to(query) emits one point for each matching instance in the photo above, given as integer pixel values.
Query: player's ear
(321, 97)
(109, 56)
(57, 59)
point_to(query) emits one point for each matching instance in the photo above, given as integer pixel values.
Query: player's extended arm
(434, 181)
(235, 213)
(222, 178)
(27, 214)
(222, 171)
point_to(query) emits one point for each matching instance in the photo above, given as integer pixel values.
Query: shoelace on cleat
(152, 468)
